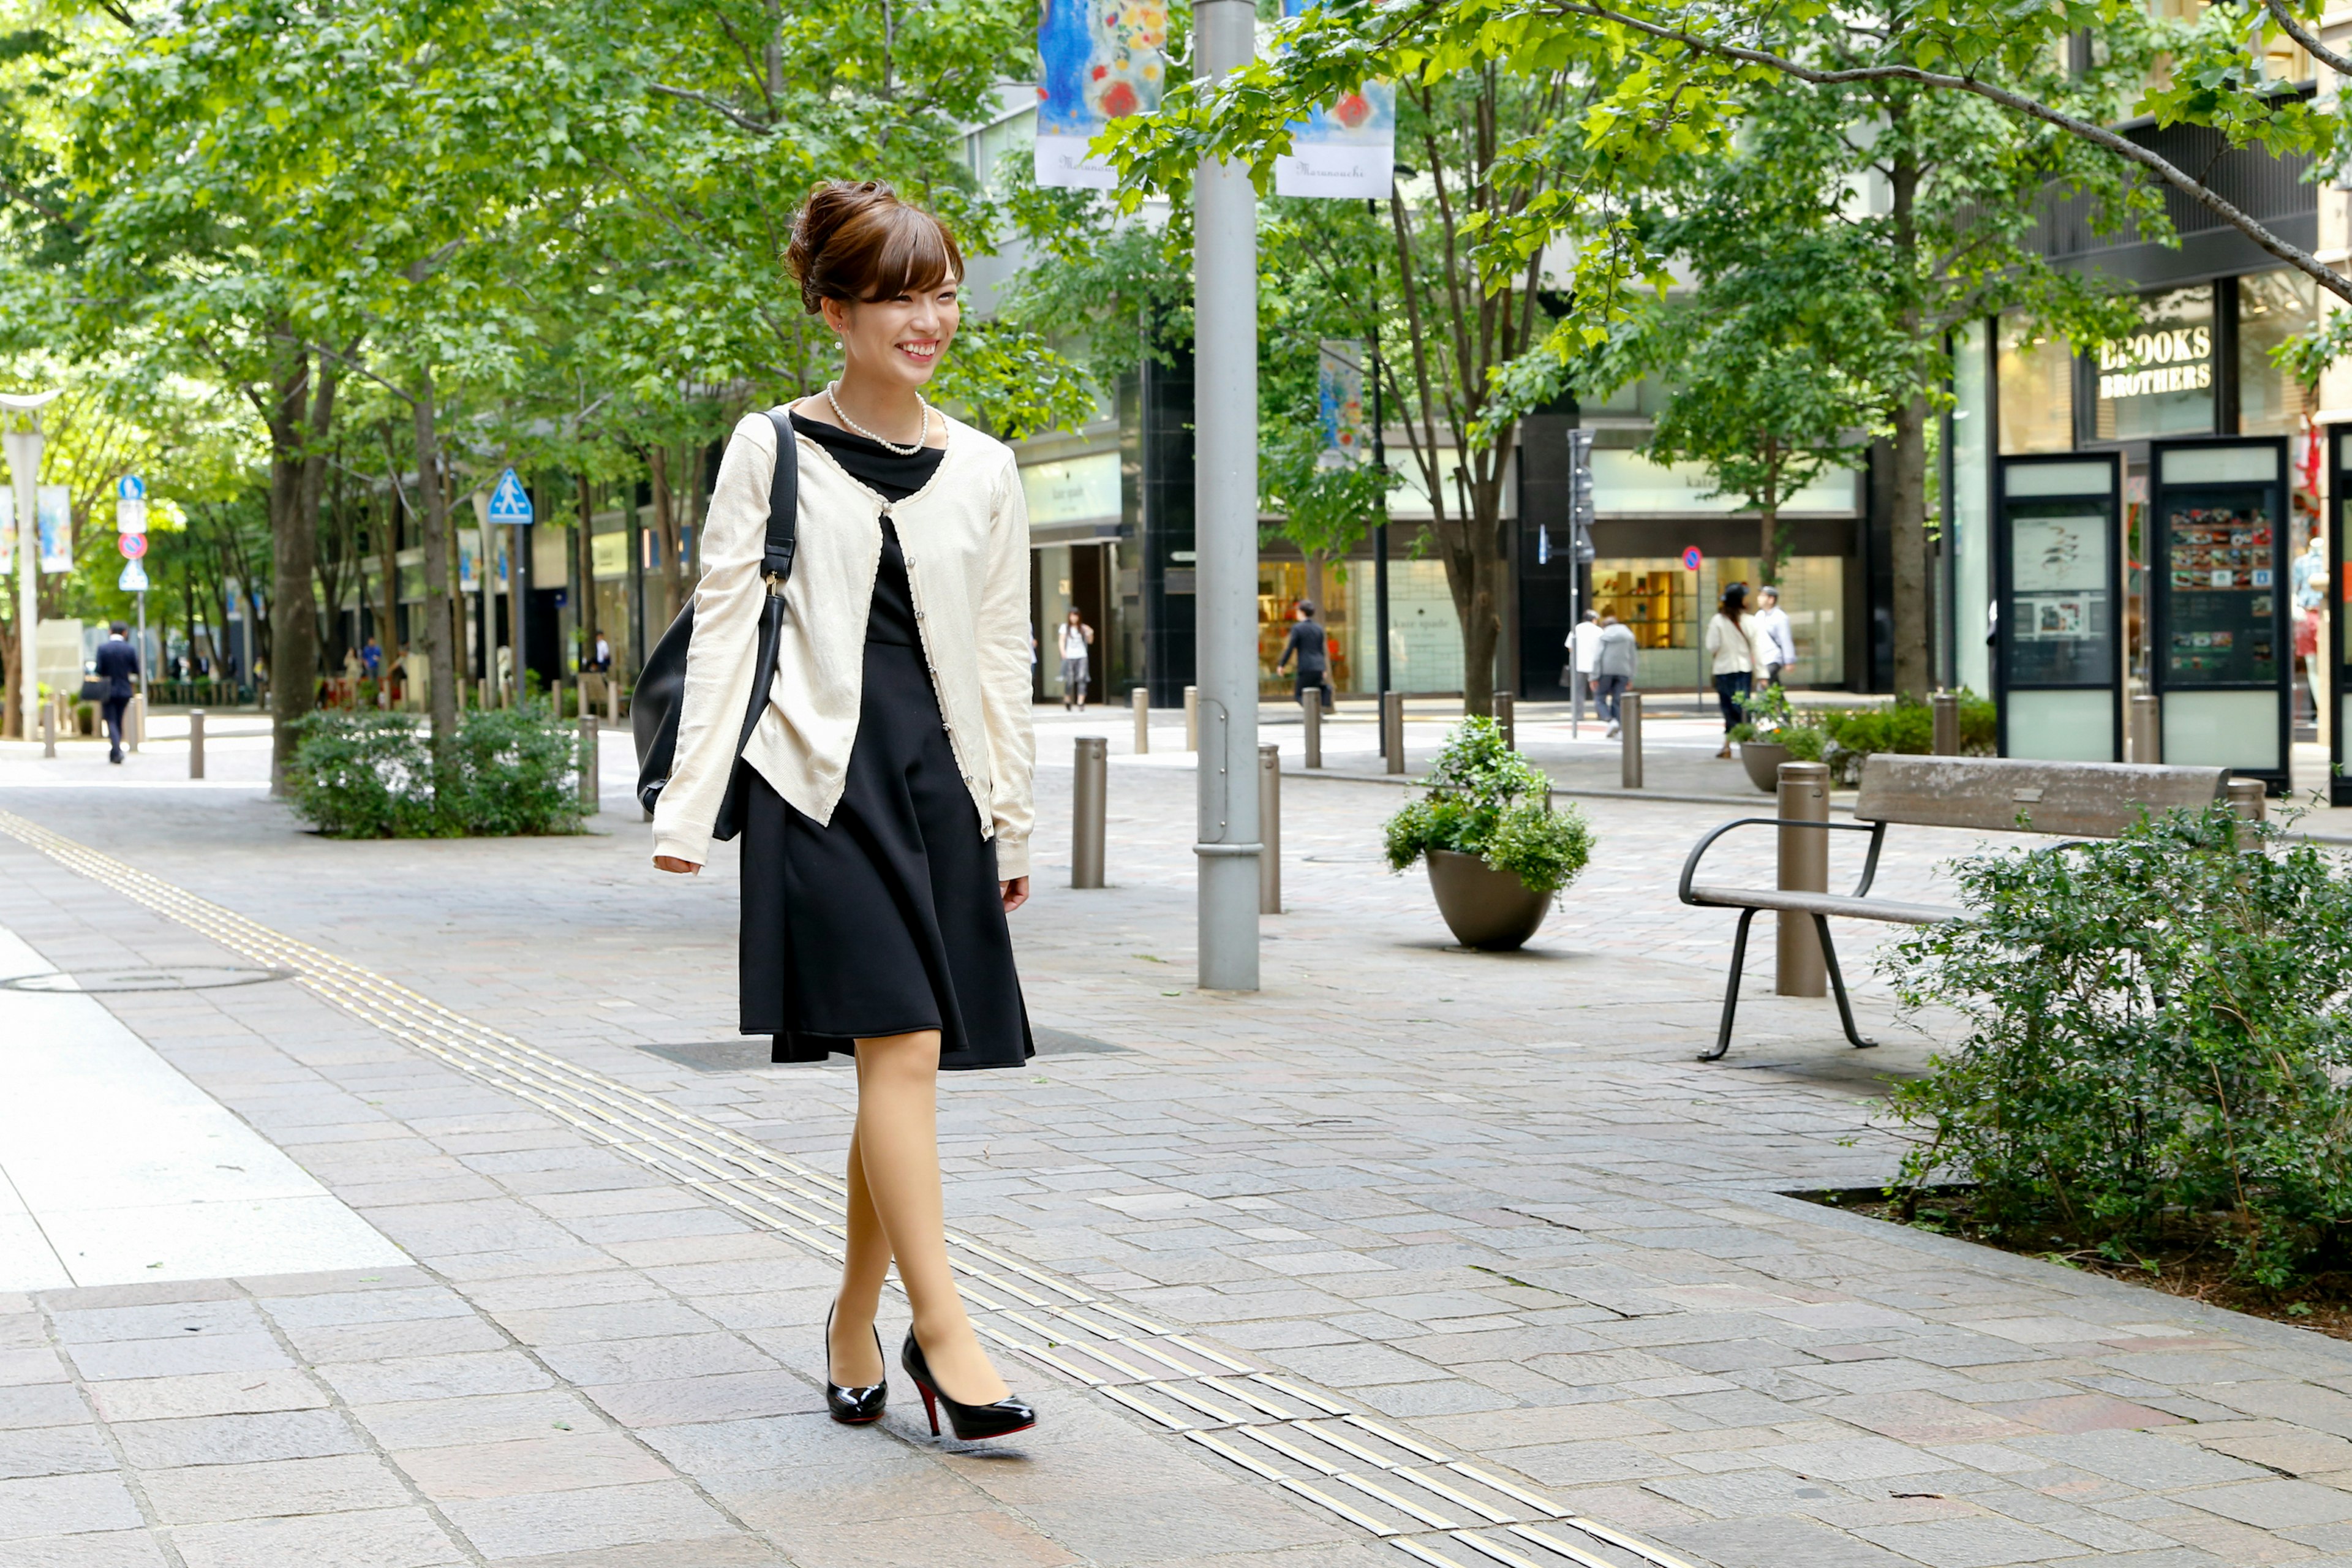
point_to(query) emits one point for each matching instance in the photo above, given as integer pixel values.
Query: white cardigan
(966, 539)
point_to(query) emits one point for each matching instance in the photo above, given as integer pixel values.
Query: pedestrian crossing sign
(509, 502)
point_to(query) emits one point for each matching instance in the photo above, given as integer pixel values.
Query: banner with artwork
(7, 532)
(53, 505)
(1104, 60)
(1345, 149)
(1340, 395)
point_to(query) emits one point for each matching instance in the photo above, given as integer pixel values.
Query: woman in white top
(1077, 638)
(888, 788)
(1731, 653)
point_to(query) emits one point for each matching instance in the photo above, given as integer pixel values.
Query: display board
(2218, 626)
(2057, 589)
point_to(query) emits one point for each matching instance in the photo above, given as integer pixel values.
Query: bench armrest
(1877, 831)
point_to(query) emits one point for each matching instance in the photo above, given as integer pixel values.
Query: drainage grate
(172, 977)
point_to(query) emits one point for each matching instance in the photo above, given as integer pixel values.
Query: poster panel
(1104, 60)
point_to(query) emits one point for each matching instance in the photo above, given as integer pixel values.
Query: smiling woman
(887, 777)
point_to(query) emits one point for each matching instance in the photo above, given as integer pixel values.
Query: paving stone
(207, 1494)
(64, 1505)
(108, 1549)
(2273, 1505)
(555, 1462)
(378, 1538)
(235, 1439)
(1972, 1542)
(112, 1360)
(537, 1523)
(2138, 1458)
(435, 1377)
(52, 1451)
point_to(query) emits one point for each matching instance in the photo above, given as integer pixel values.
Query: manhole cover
(172, 977)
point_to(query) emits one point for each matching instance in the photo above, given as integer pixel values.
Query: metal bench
(1998, 794)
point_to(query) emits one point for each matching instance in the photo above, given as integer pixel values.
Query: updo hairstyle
(862, 241)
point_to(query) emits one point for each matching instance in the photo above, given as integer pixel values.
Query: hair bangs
(915, 255)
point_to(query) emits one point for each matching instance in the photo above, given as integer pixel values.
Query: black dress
(887, 920)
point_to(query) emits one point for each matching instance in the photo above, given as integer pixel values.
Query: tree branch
(2100, 136)
(714, 105)
(2294, 30)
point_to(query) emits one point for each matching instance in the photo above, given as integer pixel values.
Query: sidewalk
(1488, 1208)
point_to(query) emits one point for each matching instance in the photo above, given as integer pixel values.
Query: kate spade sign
(2165, 359)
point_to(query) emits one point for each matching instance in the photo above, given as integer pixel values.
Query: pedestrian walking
(1776, 646)
(887, 780)
(1583, 655)
(1311, 646)
(1731, 654)
(118, 663)
(602, 660)
(1075, 639)
(371, 659)
(1615, 660)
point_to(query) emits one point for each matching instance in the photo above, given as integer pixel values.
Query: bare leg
(898, 1145)
(864, 1267)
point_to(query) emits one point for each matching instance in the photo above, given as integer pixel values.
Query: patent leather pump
(858, 1407)
(972, 1422)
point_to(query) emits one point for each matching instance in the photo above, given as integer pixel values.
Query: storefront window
(1660, 600)
(2036, 374)
(1281, 584)
(2160, 380)
(2273, 308)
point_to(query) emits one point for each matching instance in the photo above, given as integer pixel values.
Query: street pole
(23, 450)
(1225, 268)
(1380, 528)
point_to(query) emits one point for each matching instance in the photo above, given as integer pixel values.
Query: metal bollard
(612, 701)
(2147, 729)
(1508, 719)
(1805, 869)
(1392, 729)
(590, 801)
(1269, 829)
(482, 696)
(1312, 713)
(49, 729)
(1140, 700)
(1090, 802)
(1946, 744)
(1192, 718)
(196, 742)
(134, 727)
(1629, 739)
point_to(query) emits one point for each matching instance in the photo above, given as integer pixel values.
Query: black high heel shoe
(973, 1423)
(858, 1407)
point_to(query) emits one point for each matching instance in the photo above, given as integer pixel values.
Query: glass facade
(2036, 375)
(2160, 380)
(2273, 308)
(1972, 510)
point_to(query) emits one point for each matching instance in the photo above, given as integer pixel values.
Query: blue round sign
(1691, 558)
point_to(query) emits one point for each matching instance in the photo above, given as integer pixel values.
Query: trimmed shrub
(361, 774)
(2157, 1050)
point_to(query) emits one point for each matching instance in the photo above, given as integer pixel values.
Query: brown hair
(863, 241)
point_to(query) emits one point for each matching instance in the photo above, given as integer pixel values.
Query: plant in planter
(1497, 853)
(1772, 735)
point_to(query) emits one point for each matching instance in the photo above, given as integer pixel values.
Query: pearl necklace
(892, 448)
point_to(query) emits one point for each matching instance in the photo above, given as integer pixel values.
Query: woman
(1731, 654)
(1077, 638)
(888, 784)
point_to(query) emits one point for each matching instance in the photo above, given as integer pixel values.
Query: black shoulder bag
(660, 690)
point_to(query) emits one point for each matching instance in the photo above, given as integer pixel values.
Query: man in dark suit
(118, 663)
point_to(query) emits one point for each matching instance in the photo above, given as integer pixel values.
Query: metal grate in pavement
(1392, 1484)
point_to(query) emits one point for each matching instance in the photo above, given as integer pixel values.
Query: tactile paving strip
(1392, 1484)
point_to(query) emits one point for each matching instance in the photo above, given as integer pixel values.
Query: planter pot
(1762, 759)
(1486, 908)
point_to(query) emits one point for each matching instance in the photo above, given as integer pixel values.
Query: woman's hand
(1015, 893)
(672, 863)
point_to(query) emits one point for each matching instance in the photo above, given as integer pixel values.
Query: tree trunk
(1315, 596)
(1474, 571)
(1913, 634)
(665, 520)
(297, 465)
(388, 640)
(440, 650)
(587, 550)
(12, 671)
(1913, 664)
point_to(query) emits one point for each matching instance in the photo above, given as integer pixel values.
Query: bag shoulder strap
(783, 500)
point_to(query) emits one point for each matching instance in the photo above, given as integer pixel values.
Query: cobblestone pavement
(1489, 1204)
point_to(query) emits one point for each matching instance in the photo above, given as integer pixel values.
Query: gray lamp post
(23, 450)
